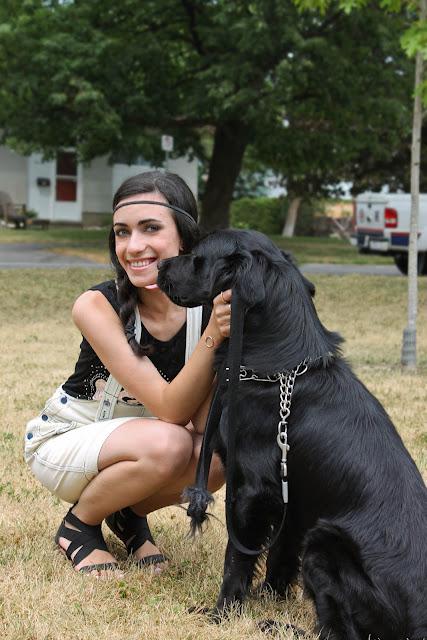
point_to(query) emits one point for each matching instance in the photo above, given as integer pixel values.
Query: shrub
(260, 214)
(30, 214)
(268, 215)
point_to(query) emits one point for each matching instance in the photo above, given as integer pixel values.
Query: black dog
(356, 524)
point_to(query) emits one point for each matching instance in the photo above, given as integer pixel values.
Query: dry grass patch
(40, 596)
(100, 255)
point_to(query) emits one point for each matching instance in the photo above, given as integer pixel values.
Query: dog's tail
(199, 500)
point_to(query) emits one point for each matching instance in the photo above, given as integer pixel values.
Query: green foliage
(30, 213)
(350, 5)
(261, 214)
(415, 39)
(268, 215)
(353, 115)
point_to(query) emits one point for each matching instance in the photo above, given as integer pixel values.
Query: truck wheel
(422, 263)
(401, 262)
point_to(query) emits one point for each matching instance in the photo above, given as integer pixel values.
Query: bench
(38, 223)
(17, 220)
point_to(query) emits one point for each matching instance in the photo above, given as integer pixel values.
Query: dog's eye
(198, 262)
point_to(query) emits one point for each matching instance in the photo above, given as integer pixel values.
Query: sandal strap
(157, 558)
(86, 536)
(104, 566)
(130, 528)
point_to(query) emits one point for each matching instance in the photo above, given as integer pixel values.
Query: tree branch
(191, 13)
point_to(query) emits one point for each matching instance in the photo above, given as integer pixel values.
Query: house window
(66, 176)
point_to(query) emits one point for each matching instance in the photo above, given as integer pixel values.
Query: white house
(63, 190)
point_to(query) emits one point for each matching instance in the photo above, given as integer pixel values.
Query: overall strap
(194, 329)
(112, 388)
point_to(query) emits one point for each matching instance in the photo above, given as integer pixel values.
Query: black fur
(356, 526)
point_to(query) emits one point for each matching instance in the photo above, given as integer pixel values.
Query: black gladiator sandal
(133, 531)
(86, 536)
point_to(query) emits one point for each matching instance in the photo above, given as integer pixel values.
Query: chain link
(287, 382)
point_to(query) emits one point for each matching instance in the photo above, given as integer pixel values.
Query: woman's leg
(172, 493)
(145, 464)
(138, 459)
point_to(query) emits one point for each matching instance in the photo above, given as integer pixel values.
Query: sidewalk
(30, 256)
(345, 269)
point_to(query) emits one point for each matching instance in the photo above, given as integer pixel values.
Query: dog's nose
(159, 264)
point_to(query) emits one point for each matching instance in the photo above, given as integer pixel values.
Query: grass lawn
(40, 596)
(92, 244)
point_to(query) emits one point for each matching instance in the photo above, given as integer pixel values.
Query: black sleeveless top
(90, 376)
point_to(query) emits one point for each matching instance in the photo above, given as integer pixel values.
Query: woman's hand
(219, 322)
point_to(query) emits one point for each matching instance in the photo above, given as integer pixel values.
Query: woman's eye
(152, 228)
(121, 233)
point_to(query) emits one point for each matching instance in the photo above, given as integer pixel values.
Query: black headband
(161, 204)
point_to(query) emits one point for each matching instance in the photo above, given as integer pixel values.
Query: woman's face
(144, 235)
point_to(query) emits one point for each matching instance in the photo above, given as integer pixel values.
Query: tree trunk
(409, 343)
(291, 219)
(230, 142)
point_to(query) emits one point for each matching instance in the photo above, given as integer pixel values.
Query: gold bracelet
(209, 342)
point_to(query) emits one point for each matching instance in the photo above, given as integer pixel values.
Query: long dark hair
(177, 193)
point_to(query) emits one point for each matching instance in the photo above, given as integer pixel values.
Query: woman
(96, 443)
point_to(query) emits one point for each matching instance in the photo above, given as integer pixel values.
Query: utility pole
(409, 343)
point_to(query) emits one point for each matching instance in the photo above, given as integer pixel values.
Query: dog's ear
(249, 280)
(307, 284)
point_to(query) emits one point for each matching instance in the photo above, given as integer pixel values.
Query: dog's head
(222, 260)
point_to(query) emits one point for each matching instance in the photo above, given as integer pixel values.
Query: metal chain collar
(287, 382)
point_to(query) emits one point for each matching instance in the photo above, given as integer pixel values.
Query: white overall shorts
(62, 444)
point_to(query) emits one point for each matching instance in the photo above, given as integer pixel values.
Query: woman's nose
(136, 243)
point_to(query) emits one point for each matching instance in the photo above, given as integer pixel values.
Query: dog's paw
(203, 611)
(274, 626)
(215, 615)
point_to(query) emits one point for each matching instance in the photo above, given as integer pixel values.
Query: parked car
(382, 224)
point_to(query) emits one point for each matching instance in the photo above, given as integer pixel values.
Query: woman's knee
(171, 450)
(167, 445)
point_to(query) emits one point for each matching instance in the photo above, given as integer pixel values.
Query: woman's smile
(140, 264)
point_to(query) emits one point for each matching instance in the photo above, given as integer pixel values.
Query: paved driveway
(20, 256)
(344, 269)
(23, 256)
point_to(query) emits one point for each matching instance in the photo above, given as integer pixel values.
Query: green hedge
(260, 214)
(268, 215)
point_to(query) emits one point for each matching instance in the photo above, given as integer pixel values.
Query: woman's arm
(176, 401)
